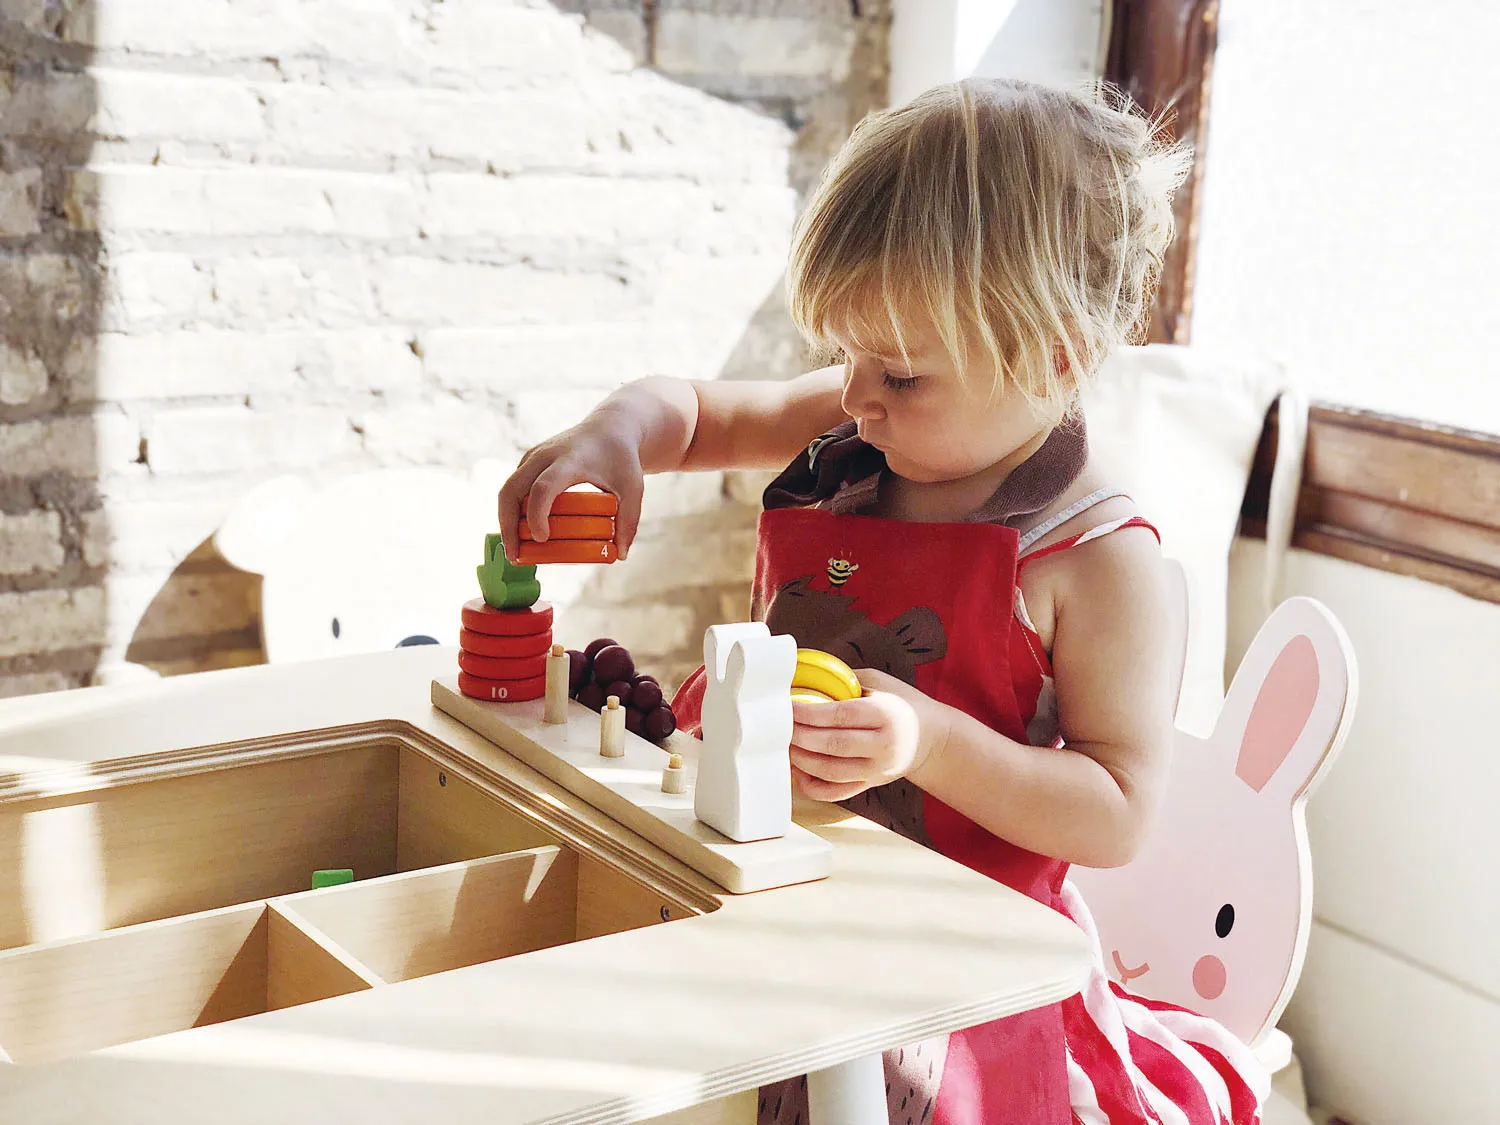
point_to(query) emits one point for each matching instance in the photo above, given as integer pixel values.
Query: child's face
(931, 424)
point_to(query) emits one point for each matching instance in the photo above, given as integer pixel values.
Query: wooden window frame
(1390, 493)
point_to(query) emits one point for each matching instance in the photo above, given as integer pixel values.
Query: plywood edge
(735, 1109)
(715, 1086)
(621, 788)
(305, 965)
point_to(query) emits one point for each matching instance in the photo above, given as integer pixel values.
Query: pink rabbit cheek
(1209, 977)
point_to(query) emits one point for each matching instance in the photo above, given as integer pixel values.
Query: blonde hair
(1019, 218)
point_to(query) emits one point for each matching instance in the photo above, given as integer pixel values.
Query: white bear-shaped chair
(371, 561)
(1213, 913)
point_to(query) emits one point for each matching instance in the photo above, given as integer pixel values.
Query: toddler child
(971, 258)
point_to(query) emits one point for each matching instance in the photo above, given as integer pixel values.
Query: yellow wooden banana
(821, 672)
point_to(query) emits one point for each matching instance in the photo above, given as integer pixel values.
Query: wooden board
(79, 995)
(628, 789)
(423, 922)
(186, 844)
(443, 818)
(303, 966)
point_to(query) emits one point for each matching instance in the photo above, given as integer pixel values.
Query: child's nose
(861, 398)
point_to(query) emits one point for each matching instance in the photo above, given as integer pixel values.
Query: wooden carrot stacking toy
(580, 529)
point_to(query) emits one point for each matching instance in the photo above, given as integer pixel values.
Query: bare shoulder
(1121, 570)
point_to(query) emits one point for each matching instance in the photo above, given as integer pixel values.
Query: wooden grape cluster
(603, 669)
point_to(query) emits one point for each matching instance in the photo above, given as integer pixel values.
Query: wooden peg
(674, 777)
(612, 729)
(556, 708)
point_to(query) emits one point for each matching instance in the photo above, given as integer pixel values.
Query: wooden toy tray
(628, 789)
(141, 909)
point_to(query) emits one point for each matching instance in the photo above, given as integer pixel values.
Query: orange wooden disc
(573, 527)
(502, 667)
(482, 617)
(505, 648)
(582, 504)
(502, 691)
(567, 551)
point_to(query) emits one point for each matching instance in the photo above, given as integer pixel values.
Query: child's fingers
(837, 742)
(511, 495)
(817, 789)
(628, 518)
(829, 767)
(845, 714)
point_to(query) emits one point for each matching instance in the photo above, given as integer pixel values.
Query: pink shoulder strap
(1071, 512)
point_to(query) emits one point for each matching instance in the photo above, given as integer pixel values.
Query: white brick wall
(261, 236)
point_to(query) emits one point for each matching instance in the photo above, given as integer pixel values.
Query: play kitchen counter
(507, 953)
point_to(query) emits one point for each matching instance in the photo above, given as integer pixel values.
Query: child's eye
(899, 382)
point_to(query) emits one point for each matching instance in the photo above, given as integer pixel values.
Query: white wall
(1348, 206)
(934, 41)
(1397, 1016)
(1348, 229)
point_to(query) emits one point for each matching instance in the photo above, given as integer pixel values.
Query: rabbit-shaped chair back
(1213, 913)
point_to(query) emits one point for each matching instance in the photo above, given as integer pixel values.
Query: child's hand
(595, 451)
(841, 749)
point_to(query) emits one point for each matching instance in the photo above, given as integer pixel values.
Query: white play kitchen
(534, 932)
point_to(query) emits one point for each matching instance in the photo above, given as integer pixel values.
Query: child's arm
(1090, 803)
(662, 425)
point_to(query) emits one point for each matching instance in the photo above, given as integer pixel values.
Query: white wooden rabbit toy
(1213, 913)
(744, 784)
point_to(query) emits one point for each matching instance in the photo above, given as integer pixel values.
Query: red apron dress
(935, 605)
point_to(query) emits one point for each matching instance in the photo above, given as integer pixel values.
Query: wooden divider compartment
(82, 862)
(145, 908)
(441, 918)
(82, 994)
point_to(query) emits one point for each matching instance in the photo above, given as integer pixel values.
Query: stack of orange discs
(503, 652)
(580, 529)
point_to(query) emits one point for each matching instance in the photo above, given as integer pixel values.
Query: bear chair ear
(262, 523)
(1292, 699)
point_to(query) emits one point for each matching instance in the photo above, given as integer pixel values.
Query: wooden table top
(897, 945)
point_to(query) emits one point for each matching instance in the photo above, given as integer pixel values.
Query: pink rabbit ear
(1282, 709)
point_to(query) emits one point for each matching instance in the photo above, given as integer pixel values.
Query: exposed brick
(443, 430)
(120, 367)
(602, 356)
(50, 620)
(369, 359)
(30, 542)
(19, 197)
(214, 439)
(433, 291)
(32, 15)
(711, 43)
(481, 35)
(64, 445)
(354, 123)
(150, 535)
(151, 290)
(542, 412)
(179, 107)
(265, 291)
(23, 376)
(242, 201)
(58, 104)
(224, 29)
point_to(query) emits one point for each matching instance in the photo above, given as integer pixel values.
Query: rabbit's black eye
(335, 628)
(1225, 921)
